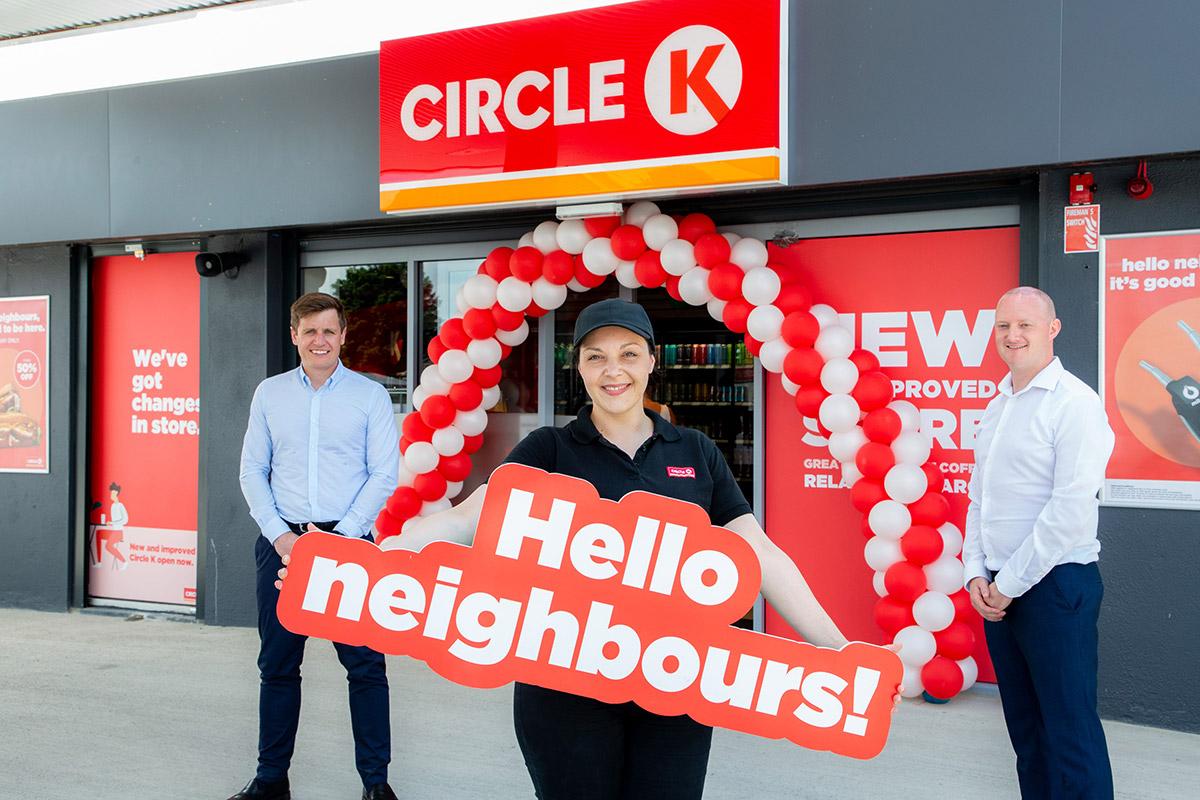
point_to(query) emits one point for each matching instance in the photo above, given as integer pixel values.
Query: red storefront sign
(25, 384)
(605, 103)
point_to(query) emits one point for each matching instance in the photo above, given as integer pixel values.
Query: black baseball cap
(614, 311)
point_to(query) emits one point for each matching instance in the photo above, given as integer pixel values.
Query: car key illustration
(1185, 392)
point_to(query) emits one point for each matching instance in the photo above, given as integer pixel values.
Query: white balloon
(639, 212)
(889, 518)
(910, 417)
(447, 441)
(880, 553)
(418, 397)
(658, 230)
(404, 476)
(408, 523)
(844, 445)
(761, 286)
(421, 457)
(693, 286)
(514, 294)
(824, 314)
(677, 257)
(480, 291)
(455, 366)
(850, 474)
(788, 386)
(626, 275)
(572, 236)
(471, 423)
(453, 489)
(970, 671)
(548, 295)
(877, 584)
(749, 254)
(545, 237)
(917, 645)
(765, 323)
(839, 412)
(944, 575)
(839, 375)
(525, 241)
(598, 256)
(484, 353)
(834, 341)
(953, 539)
(716, 309)
(910, 684)
(911, 447)
(433, 382)
(905, 483)
(732, 238)
(460, 301)
(491, 396)
(575, 286)
(434, 507)
(514, 337)
(773, 353)
(933, 611)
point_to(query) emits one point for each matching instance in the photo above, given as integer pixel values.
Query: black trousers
(279, 657)
(577, 748)
(1044, 652)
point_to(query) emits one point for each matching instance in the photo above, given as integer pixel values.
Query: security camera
(209, 265)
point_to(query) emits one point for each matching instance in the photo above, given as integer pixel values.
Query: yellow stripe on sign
(612, 182)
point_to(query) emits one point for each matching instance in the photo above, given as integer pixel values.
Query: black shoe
(380, 791)
(261, 790)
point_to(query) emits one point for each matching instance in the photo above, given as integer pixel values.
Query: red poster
(925, 303)
(1081, 228)
(608, 102)
(25, 384)
(145, 429)
(1150, 363)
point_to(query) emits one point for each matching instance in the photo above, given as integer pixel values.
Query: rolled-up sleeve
(383, 467)
(255, 473)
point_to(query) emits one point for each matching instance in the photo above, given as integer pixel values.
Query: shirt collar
(585, 431)
(1046, 379)
(331, 381)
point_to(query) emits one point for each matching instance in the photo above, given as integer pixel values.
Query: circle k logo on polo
(693, 80)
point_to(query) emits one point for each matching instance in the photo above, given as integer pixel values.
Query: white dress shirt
(1039, 464)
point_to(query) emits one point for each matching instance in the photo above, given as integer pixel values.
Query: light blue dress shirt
(317, 456)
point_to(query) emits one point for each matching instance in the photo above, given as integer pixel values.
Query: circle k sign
(693, 80)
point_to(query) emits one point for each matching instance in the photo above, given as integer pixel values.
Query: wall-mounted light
(589, 210)
(1139, 186)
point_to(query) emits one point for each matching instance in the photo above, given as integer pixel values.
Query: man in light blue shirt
(320, 453)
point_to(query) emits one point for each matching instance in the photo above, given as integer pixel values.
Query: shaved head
(1032, 293)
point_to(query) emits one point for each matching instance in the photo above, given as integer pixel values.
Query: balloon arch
(841, 391)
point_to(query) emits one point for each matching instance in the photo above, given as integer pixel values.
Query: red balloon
(437, 411)
(601, 226)
(956, 641)
(454, 335)
(788, 274)
(558, 267)
(535, 311)
(963, 610)
(921, 545)
(892, 614)
(504, 350)
(648, 268)
(436, 348)
(793, 297)
(589, 279)
(800, 329)
(932, 509)
(725, 280)
(865, 528)
(693, 226)
(809, 399)
(430, 486)
(414, 429)
(466, 395)
(487, 378)
(753, 345)
(735, 315)
(526, 263)
(628, 242)
(455, 468)
(873, 390)
(496, 264)
(712, 250)
(865, 360)
(803, 367)
(904, 581)
(507, 320)
(882, 425)
(386, 525)
(672, 284)
(942, 678)
(866, 493)
(471, 444)
(874, 460)
(478, 323)
(404, 443)
(404, 503)
(933, 472)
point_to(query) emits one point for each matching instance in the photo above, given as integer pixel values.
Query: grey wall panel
(882, 90)
(54, 168)
(36, 530)
(1130, 78)
(286, 146)
(1148, 642)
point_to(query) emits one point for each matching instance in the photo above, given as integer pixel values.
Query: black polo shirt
(674, 462)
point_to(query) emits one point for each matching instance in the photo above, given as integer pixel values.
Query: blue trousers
(1044, 652)
(279, 657)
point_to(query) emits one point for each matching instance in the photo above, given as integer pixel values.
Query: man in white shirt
(1031, 549)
